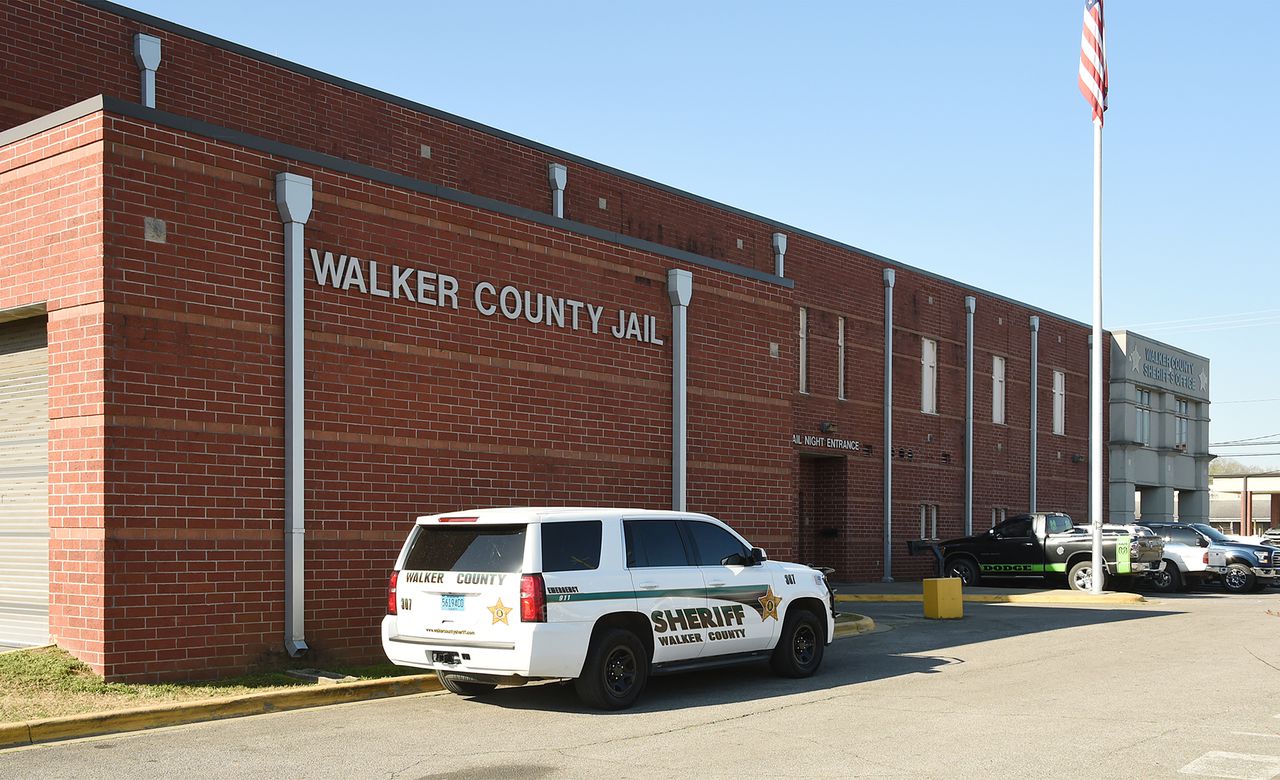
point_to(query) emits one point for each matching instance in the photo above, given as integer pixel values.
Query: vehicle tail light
(1205, 559)
(458, 519)
(391, 594)
(533, 599)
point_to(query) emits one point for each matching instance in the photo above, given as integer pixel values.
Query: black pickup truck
(1046, 545)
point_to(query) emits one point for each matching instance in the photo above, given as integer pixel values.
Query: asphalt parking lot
(1184, 686)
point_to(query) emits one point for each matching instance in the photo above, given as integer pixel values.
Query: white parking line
(1256, 734)
(1236, 766)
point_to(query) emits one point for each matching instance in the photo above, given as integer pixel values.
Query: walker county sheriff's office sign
(432, 288)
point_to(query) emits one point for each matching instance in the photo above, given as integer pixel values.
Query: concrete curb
(1032, 597)
(94, 724)
(852, 624)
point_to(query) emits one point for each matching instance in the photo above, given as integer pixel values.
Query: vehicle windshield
(1213, 533)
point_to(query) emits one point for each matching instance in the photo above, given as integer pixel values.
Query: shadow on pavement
(913, 645)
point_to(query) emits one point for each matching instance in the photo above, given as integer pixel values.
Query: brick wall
(51, 193)
(412, 409)
(928, 467)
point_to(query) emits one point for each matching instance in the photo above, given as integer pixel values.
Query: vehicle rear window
(571, 546)
(654, 543)
(493, 548)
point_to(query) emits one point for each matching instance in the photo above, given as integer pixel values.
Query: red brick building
(480, 320)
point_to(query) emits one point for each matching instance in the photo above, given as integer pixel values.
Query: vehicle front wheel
(1167, 581)
(965, 569)
(1238, 579)
(801, 645)
(1081, 576)
(463, 685)
(616, 671)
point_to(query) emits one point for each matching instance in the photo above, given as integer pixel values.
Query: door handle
(719, 584)
(648, 585)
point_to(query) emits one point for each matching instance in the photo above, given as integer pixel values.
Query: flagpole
(1095, 369)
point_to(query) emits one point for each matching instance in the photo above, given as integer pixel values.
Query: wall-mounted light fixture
(1077, 458)
(826, 426)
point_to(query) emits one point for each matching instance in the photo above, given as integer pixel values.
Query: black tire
(1238, 579)
(1167, 581)
(801, 645)
(463, 685)
(1080, 577)
(616, 671)
(965, 569)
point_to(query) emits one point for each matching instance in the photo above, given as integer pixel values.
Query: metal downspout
(970, 303)
(1035, 414)
(293, 199)
(146, 52)
(680, 291)
(889, 278)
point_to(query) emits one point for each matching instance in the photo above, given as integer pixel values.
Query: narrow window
(1059, 403)
(1181, 424)
(1143, 417)
(928, 521)
(998, 514)
(804, 350)
(928, 376)
(997, 390)
(840, 358)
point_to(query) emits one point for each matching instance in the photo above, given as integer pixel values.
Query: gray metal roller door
(24, 482)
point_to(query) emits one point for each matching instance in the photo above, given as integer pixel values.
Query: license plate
(451, 603)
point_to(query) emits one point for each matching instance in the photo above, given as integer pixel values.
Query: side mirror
(758, 556)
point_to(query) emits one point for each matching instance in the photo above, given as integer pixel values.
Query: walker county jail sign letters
(433, 288)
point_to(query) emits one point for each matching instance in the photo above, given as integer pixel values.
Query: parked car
(1186, 564)
(1042, 545)
(603, 597)
(1240, 566)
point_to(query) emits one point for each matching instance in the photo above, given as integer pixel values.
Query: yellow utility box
(943, 599)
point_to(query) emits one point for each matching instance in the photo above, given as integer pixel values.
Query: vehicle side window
(1183, 536)
(654, 543)
(1014, 529)
(715, 546)
(1057, 524)
(571, 546)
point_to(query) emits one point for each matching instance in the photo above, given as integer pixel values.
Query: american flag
(1093, 60)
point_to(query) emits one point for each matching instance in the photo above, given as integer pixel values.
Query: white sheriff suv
(604, 597)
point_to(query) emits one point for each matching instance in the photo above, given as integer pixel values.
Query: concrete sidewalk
(847, 592)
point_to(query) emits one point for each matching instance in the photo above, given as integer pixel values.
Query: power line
(1248, 444)
(1247, 401)
(1226, 325)
(1251, 438)
(1206, 318)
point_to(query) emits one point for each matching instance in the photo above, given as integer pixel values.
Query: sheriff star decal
(500, 613)
(769, 604)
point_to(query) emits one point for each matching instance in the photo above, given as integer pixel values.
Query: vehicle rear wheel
(1238, 579)
(464, 685)
(965, 569)
(616, 671)
(801, 645)
(1167, 581)
(1080, 577)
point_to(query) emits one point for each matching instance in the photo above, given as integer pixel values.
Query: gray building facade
(1159, 425)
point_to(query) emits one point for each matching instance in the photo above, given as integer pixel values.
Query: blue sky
(949, 136)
